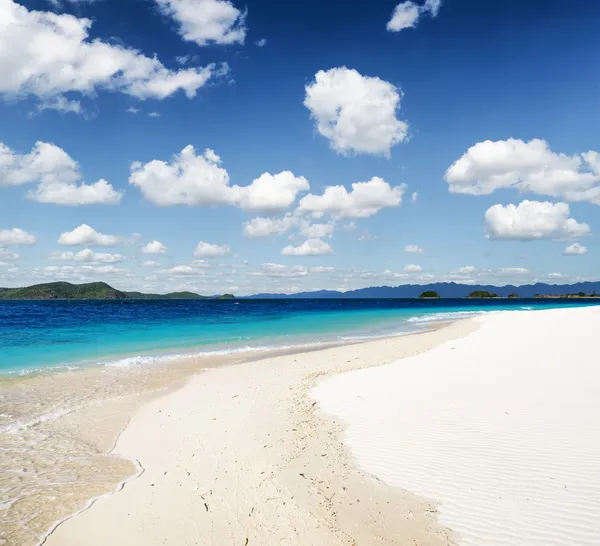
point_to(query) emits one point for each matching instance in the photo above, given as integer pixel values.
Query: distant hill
(89, 291)
(444, 289)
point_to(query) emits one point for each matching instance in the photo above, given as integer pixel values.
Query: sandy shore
(244, 455)
(240, 455)
(501, 428)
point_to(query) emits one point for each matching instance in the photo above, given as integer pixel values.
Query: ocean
(66, 364)
(37, 336)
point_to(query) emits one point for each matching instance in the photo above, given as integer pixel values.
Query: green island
(575, 295)
(92, 291)
(482, 294)
(429, 294)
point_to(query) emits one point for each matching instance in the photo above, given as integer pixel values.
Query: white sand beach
(492, 421)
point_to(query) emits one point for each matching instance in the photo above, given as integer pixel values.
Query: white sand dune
(502, 428)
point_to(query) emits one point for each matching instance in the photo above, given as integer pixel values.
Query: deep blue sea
(49, 335)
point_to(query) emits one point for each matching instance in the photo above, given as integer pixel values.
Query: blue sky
(488, 111)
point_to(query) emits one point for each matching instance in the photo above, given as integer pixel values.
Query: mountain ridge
(90, 291)
(445, 290)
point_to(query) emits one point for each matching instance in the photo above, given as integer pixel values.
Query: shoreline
(328, 361)
(52, 411)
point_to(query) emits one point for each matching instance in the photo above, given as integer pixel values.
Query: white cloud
(414, 197)
(412, 268)
(87, 255)
(61, 104)
(356, 113)
(527, 166)
(350, 226)
(86, 235)
(533, 220)
(199, 180)
(8, 255)
(508, 272)
(45, 54)
(16, 236)
(206, 250)
(270, 193)
(182, 270)
(365, 199)
(56, 174)
(321, 269)
(150, 263)
(575, 249)
(83, 271)
(262, 42)
(153, 115)
(407, 14)
(413, 249)
(154, 247)
(316, 231)
(207, 21)
(132, 110)
(466, 270)
(266, 227)
(205, 265)
(279, 270)
(310, 247)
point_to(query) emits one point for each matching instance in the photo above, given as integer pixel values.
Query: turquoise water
(49, 335)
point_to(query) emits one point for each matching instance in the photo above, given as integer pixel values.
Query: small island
(568, 296)
(93, 291)
(429, 294)
(482, 294)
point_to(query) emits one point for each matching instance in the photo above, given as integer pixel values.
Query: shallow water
(66, 365)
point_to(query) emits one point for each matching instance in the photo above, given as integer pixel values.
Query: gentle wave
(443, 316)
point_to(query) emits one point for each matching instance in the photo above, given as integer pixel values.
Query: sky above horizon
(269, 146)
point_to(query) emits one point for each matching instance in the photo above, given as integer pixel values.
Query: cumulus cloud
(531, 220)
(270, 193)
(87, 255)
(507, 272)
(60, 104)
(413, 249)
(56, 174)
(206, 250)
(207, 21)
(16, 236)
(46, 55)
(182, 270)
(575, 249)
(310, 247)
(414, 196)
(154, 247)
(356, 113)
(466, 270)
(365, 199)
(280, 270)
(150, 263)
(527, 166)
(8, 255)
(200, 180)
(86, 235)
(266, 227)
(412, 268)
(407, 14)
(83, 271)
(316, 231)
(322, 269)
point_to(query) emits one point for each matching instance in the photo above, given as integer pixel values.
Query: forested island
(92, 291)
